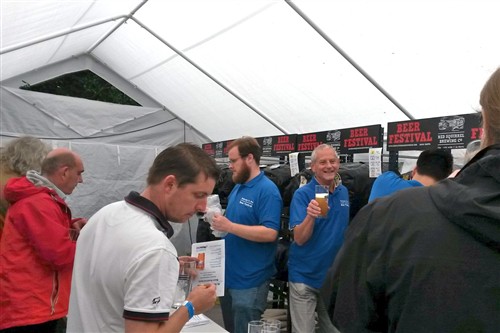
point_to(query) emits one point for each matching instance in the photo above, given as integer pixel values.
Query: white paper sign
(375, 162)
(294, 163)
(211, 265)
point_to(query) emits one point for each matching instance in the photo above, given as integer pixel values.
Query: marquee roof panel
(236, 67)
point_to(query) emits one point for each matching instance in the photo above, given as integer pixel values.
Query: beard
(242, 176)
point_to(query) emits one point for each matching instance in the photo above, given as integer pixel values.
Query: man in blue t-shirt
(252, 221)
(432, 166)
(316, 242)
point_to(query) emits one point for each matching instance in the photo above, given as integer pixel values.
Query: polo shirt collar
(135, 199)
(254, 180)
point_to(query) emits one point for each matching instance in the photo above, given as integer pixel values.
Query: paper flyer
(375, 162)
(211, 264)
(197, 320)
(294, 163)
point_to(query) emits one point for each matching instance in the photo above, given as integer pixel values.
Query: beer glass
(322, 198)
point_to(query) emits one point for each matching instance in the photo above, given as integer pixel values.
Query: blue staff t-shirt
(388, 183)
(249, 263)
(309, 263)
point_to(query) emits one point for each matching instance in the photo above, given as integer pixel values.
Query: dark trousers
(47, 327)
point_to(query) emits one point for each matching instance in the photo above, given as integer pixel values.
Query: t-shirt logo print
(156, 301)
(246, 202)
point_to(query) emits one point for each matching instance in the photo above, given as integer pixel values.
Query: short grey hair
(321, 147)
(23, 154)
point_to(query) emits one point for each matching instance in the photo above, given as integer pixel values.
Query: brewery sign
(220, 148)
(447, 132)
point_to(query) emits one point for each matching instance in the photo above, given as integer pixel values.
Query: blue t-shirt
(309, 263)
(249, 263)
(388, 183)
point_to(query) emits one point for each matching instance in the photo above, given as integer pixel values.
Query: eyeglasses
(232, 161)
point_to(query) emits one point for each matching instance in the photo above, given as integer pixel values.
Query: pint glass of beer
(322, 198)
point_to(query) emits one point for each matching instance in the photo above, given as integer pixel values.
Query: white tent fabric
(237, 67)
(213, 70)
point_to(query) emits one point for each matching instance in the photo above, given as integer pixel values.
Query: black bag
(356, 177)
(282, 259)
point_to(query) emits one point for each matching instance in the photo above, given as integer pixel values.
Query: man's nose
(202, 206)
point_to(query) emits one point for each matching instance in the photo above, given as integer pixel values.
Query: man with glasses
(252, 221)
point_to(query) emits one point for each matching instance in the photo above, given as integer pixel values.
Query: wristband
(189, 306)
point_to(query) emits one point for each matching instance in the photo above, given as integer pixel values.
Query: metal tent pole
(198, 67)
(60, 34)
(349, 59)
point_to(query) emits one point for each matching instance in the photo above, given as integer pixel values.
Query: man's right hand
(203, 297)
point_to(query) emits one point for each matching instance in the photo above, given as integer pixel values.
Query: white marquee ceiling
(261, 67)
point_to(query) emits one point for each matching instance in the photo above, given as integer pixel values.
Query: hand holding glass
(184, 284)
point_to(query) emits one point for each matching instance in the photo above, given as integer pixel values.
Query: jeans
(239, 306)
(305, 301)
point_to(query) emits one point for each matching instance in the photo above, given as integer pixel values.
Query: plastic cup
(272, 323)
(255, 326)
(187, 271)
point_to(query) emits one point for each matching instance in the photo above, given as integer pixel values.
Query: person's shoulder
(400, 201)
(388, 174)
(264, 181)
(114, 208)
(341, 187)
(306, 190)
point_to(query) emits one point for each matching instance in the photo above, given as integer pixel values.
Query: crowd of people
(422, 256)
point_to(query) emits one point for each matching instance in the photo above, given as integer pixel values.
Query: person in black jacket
(428, 259)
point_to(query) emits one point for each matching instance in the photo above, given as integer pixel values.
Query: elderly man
(317, 240)
(36, 251)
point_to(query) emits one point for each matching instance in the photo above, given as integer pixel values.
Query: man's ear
(169, 183)
(413, 172)
(64, 170)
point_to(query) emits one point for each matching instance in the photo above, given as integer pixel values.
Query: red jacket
(36, 256)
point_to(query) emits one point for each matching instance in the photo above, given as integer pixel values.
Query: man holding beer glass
(318, 235)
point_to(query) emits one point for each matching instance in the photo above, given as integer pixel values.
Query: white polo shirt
(124, 267)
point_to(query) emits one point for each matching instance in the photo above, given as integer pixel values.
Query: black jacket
(425, 259)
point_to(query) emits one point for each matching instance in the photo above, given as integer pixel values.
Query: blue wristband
(189, 306)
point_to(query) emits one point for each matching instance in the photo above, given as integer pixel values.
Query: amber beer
(322, 199)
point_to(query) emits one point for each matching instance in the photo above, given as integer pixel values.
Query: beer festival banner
(346, 141)
(448, 132)
(279, 145)
(209, 148)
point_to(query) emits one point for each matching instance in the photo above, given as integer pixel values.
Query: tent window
(82, 84)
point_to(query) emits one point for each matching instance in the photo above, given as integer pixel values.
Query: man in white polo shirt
(126, 268)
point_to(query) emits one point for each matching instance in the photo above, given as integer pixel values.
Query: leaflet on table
(211, 264)
(197, 320)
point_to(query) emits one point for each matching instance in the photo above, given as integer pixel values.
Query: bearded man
(252, 220)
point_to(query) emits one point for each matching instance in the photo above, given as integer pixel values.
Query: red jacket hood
(20, 187)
